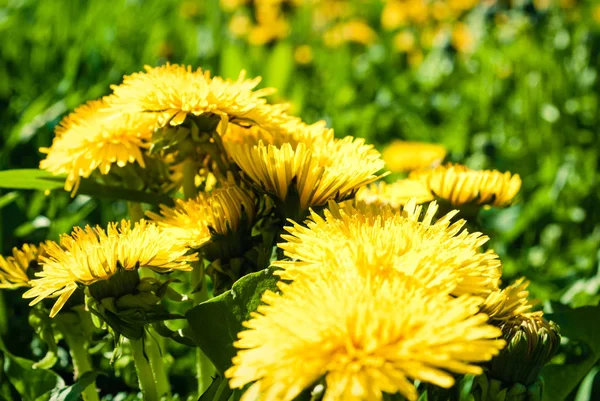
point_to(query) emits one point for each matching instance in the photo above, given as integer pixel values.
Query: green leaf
(42, 180)
(215, 323)
(73, 392)
(8, 198)
(280, 67)
(32, 384)
(217, 391)
(232, 60)
(579, 324)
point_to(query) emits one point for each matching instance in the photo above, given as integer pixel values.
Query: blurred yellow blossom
(596, 14)
(462, 38)
(240, 25)
(357, 31)
(394, 15)
(303, 55)
(404, 41)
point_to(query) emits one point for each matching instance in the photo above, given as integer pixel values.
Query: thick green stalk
(3, 316)
(81, 361)
(144, 371)
(204, 367)
(153, 351)
(136, 212)
(189, 178)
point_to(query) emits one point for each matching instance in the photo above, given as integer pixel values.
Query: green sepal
(488, 389)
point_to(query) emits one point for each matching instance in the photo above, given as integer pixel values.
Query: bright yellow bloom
(356, 31)
(462, 38)
(303, 55)
(14, 269)
(172, 91)
(394, 195)
(239, 25)
(320, 167)
(394, 15)
(364, 337)
(91, 255)
(95, 137)
(509, 303)
(462, 5)
(232, 5)
(404, 41)
(440, 254)
(264, 33)
(459, 185)
(401, 156)
(193, 221)
(596, 14)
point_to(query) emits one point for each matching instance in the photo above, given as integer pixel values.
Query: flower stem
(153, 350)
(189, 178)
(81, 361)
(144, 370)
(136, 212)
(204, 367)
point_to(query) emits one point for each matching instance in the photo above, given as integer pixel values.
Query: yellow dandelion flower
(415, 58)
(356, 31)
(462, 38)
(91, 255)
(440, 254)
(193, 221)
(417, 10)
(395, 195)
(232, 5)
(319, 167)
(402, 156)
(596, 14)
(404, 41)
(303, 55)
(462, 5)
(240, 25)
(459, 185)
(15, 269)
(171, 92)
(394, 15)
(95, 137)
(364, 338)
(294, 131)
(440, 10)
(509, 303)
(269, 31)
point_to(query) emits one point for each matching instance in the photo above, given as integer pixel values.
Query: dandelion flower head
(439, 253)
(321, 167)
(90, 255)
(364, 339)
(459, 185)
(95, 137)
(193, 221)
(14, 269)
(171, 92)
(509, 303)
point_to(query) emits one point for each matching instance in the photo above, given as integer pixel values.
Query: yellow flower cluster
(376, 292)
